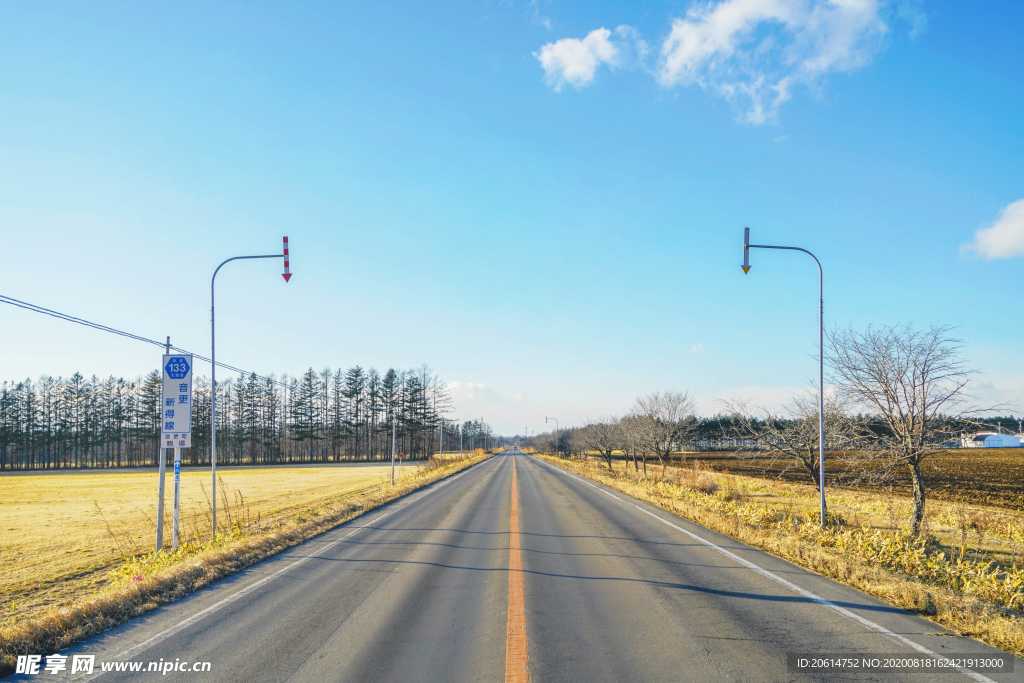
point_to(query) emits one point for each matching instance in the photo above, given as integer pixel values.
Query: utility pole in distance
(394, 428)
(556, 432)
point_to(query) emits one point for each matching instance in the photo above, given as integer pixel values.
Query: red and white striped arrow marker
(287, 275)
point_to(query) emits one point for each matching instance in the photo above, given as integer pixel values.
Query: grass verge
(973, 599)
(144, 582)
(61, 534)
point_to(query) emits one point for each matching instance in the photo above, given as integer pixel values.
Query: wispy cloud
(753, 53)
(575, 61)
(1003, 238)
(537, 17)
(697, 348)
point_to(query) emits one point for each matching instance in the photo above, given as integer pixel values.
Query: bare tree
(604, 435)
(662, 420)
(791, 434)
(914, 381)
(631, 438)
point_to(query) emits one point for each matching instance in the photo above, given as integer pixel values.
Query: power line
(103, 328)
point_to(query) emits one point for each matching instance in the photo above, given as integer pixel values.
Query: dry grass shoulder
(976, 531)
(977, 596)
(280, 509)
(985, 476)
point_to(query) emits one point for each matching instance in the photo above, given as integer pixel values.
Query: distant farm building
(991, 440)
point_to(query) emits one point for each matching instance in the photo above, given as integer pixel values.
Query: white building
(991, 440)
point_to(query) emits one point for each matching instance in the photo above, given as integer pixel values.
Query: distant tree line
(325, 416)
(899, 395)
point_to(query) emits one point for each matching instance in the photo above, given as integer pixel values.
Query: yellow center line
(517, 661)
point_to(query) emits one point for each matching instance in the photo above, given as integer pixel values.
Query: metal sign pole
(175, 425)
(161, 455)
(177, 497)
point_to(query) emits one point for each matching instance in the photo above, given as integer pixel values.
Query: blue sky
(544, 201)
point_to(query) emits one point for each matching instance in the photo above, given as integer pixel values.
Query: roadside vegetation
(62, 610)
(897, 399)
(897, 402)
(962, 570)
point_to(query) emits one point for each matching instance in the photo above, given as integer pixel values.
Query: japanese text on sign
(176, 405)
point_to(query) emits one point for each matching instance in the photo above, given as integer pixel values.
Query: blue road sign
(177, 367)
(176, 405)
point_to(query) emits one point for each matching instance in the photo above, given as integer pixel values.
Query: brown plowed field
(979, 476)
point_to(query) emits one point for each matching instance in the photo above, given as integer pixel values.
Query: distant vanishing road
(515, 570)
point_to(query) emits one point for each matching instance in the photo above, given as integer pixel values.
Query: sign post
(176, 425)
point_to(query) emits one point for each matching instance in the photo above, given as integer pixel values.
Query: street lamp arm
(767, 246)
(236, 258)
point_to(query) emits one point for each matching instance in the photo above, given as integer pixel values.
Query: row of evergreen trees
(323, 416)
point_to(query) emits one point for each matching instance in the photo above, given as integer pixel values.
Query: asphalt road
(611, 589)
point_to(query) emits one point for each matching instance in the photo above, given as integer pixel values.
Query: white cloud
(575, 61)
(753, 53)
(1004, 238)
(468, 390)
(1004, 391)
(697, 348)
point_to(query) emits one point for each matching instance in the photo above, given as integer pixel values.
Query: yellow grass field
(61, 533)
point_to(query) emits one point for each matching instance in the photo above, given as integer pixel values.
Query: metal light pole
(213, 369)
(556, 432)
(747, 246)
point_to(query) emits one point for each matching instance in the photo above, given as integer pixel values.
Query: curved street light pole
(213, 373)
(747, 246)
(556, 432)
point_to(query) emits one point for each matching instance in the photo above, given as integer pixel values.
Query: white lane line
(185, 623)
(792, 586)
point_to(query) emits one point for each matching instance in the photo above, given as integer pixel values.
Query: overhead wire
(104, 328)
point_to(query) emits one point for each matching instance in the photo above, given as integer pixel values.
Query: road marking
(185, 623)
(788, 584)
(517, 659)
